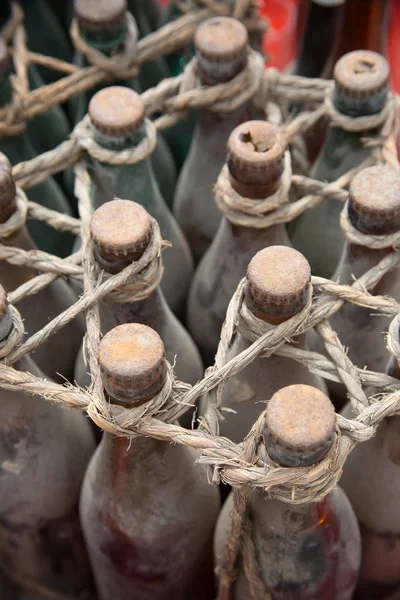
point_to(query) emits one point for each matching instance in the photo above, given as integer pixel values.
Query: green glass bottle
(103, 26)
(117, 118)
(45, 35)
(361, 87)
(47, 193)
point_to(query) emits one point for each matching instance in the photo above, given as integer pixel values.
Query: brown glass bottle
(58, 354)
(255, 162)
(373, 208)
(307, 551)
(121, 232)
(44, 451)
(117, 117)
(148, 513)
(278, 287)
(221, 50)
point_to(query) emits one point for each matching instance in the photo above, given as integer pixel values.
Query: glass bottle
(361, 86)
(103, 26)
(324, 17)
(54, 356)
(221, 49)
(148, 513)
(308, 551)
(19, 148)
(277, 288)
(152, 10)
(44, 451)
(121, 232)
(117, 117)
(256, 175)
(49, 39)
(373, 208)
(371, 479)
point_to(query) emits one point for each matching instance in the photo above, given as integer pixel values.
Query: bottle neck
(357, 260)
(359, 107)
(149, 311)
(106, 41)
(6, 93)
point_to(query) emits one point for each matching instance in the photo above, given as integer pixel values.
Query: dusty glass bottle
(103, 26)
(221, 50)
(255, 162)
(309, 551)
(361, 86)
(373, 208)
(58, 354)
(47, 193)
(44, 452)
(277, 288)
(148, 513)
(121, 232)
(371, 479)
(117, 117)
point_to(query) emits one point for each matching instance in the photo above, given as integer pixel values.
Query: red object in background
(393, 50)
(280, 41)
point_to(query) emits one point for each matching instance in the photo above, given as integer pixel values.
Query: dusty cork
(361, 73)
(300, 425)
(278, 280)
(116, 111)
(255, 154)
(98, 15)
(121, 231)
(7, 189)
(374, 200)
(132, 363)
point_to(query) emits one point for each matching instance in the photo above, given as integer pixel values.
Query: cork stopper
(300, 425)
(121, 231)
(255, 158)
(7, 189)
(99, 15)
(5, 316)
(278, 280)
(361, 73)
(132, 364)
(221, 49)
(116, 111)
(5, 59)
(374, 200)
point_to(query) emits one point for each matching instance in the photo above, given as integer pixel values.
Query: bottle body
(154, 312)
(371, 480)
(218, 276)
(305, 552)
(248, 391)
(139, 497)
(194, 205)
(45, 450)
(136, 182)
(55, 356)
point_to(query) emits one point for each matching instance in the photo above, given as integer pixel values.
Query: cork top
(99, 15)
(7, 189)
(300, 425)
(121, 231)
(255, 154)
(116, 111)
(374, 200)
(132, 363)
(361, 73)
(278, 280)
(4, 57)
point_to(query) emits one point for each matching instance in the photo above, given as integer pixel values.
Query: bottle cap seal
(255, 153)
(278, 280)
(99, 15)
(132, 363)
(300, 425)
(374, 200)
(121, 231)
(116, 111)
(361, 74)
(7, 189)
